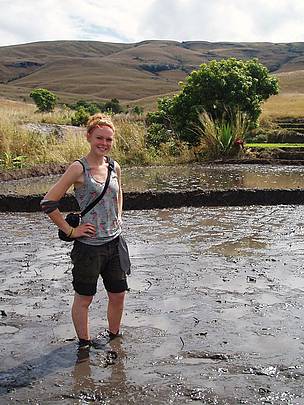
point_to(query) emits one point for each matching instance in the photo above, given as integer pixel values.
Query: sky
(129, 21)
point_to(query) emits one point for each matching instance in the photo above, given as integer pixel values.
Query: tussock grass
(221, 137)
(130, 142)
(21, 147)
(131, 148)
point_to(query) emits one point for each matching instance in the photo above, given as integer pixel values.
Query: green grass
(23, 148)
(274, 145)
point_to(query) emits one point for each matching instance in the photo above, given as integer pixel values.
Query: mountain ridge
(95, 70)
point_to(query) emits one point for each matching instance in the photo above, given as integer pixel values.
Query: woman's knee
(83, 300)
(116, 298)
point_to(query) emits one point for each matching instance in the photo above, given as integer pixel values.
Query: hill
(133, 73)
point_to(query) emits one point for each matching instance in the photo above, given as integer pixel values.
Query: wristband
(69, 235)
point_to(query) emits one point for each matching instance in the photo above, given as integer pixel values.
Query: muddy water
(214, 313)
(189, 177)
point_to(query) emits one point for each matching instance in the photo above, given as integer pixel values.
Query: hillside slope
(99, 70)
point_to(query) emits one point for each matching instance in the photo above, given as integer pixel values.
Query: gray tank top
(104, 215)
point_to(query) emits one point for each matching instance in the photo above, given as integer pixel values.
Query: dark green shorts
(90, 262)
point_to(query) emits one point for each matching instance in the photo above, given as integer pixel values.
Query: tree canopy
(44, 99)
(217, 88)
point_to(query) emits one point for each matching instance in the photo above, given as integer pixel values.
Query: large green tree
(218, 88)
(44, 99)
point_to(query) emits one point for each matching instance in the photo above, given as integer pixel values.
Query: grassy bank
(275, 145)
(21, 147)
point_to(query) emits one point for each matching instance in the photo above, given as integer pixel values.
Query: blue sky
(23, 21)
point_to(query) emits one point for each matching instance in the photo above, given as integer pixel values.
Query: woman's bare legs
(115, 310)
(80, 315)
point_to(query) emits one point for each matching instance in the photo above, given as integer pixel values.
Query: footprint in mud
(206, 355)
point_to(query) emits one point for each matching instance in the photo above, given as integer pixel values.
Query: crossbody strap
(93, 203)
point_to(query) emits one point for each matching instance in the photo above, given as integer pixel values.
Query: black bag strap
(93, 203)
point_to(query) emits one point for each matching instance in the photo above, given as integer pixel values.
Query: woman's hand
(87, 230)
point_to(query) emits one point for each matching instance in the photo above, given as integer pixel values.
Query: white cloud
(136, 20)
(22, 22)
(222, 20)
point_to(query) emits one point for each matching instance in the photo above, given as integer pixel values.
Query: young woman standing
(96, 251)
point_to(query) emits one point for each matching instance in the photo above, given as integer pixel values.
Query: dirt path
(214, 313)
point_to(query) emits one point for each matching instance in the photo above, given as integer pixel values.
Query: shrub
(113, 106)
(218, 87)
(91, 108)
(138, 110)
(222, 137)
(157, 134)
(80, 118)
(44, 99)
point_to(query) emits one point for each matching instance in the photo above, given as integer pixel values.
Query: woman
(97, 243)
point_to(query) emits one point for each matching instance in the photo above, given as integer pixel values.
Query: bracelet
(70, 233)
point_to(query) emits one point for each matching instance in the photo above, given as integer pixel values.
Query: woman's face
(101, 140)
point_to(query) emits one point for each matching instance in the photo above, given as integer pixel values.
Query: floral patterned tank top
(104, 215)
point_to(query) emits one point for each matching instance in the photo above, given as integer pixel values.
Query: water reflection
(100, 375)
(190, 177)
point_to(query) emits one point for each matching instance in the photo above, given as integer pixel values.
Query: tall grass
(130, 141)
(21, 147)
(223, 137)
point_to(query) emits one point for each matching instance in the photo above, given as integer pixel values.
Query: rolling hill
(133, 73)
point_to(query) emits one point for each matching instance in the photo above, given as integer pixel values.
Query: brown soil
(213, 315)
(36, 171)
(154, 200)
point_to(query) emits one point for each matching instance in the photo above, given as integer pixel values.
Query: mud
(181, 179)
(214, 313)
(36, 171)
(54, 169)
(154, 200)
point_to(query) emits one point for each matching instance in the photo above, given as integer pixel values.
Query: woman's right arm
(72, 175)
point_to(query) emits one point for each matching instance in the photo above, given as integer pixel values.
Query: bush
(113, 106)
(44, 99)
(157, 134)
(138, 110)
(219, 88)
(91, 108)
(80, 118)
(222, 137)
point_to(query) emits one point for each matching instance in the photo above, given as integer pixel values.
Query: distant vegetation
(85, 108)
(112, 106)
(21, 147)
(135, 74)
(218, 102)
(44, 99)
(213, 115)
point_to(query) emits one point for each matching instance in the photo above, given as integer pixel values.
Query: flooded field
(214, 313)
(190, 177)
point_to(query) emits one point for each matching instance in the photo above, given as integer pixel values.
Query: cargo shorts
(110, 261)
